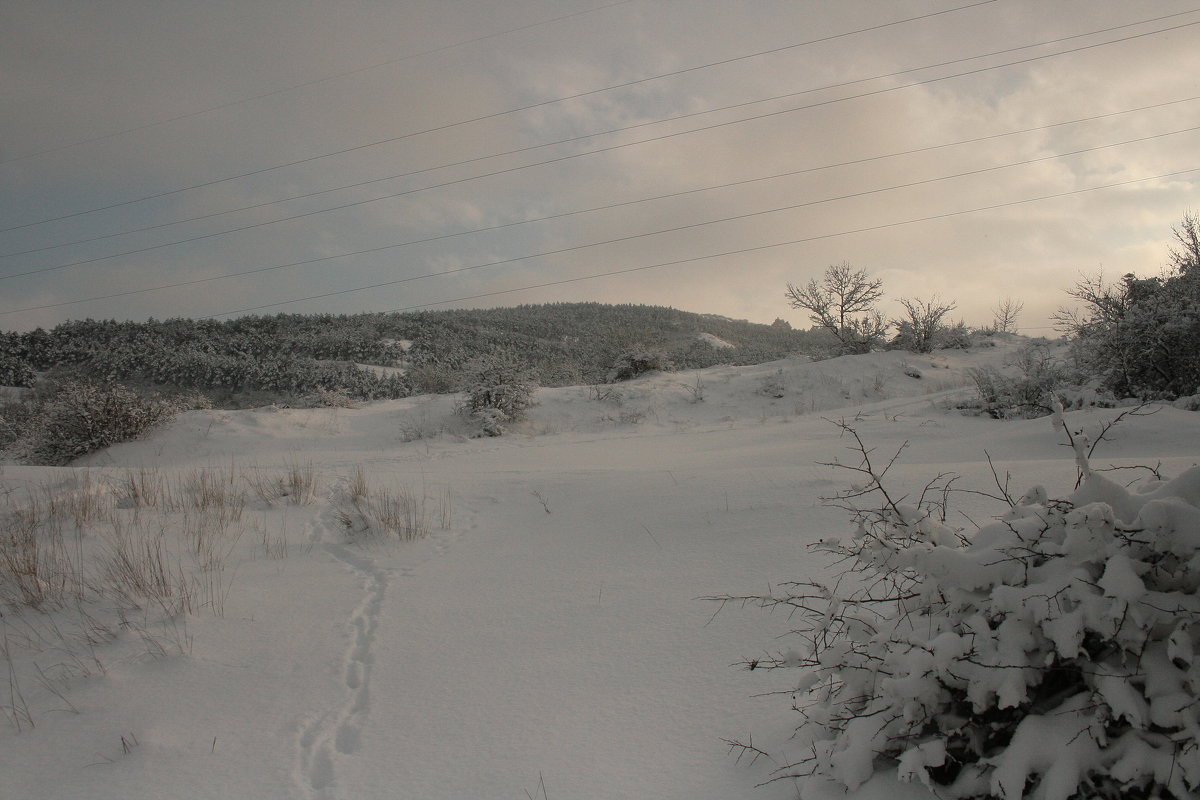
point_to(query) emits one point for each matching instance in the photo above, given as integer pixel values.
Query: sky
(182, 159)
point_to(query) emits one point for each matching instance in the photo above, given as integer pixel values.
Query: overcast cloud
(102, 103)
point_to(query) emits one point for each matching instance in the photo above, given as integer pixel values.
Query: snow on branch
(1052, 652)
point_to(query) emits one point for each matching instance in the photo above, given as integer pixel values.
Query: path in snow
(336, 733)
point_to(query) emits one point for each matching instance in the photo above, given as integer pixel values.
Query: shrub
(773, 385)
(189, 401)
(1029, 394)
(1051, 654)
(15, 371)
(435, 378)
(328, 398)
(80, 417)
(1141, 337)
(919, 330)
(953, 337)
(639, 361)
(15, 417)
(500, 388)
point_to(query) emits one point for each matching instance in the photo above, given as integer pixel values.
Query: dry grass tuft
(301, 484)
(84, 558)
(142, 488)
(358, 488)
(298, 485)
(399, 512)
(137, 566)
(274, 545)
(208, 490)
(38, 567)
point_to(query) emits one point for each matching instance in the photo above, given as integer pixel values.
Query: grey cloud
(73, 71)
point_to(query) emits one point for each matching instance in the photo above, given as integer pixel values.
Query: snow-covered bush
(500, 388)
(435, 378)
(1030, 393)
(15, 417)
(638, 361)
(189, 400)
(953, 337)
(328, 398)
(81, 417)
(15, 371)
(773, 385)
(1141, 336)
(1054, 653)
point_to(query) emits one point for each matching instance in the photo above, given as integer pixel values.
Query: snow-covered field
(546, 639)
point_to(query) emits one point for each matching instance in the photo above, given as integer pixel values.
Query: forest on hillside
(260, 358)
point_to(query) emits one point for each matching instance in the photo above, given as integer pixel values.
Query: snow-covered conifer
(500, 387)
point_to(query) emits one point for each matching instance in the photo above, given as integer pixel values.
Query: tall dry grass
(399, 512)
(85, 557)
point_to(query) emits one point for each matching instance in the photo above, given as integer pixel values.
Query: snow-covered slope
(544, 640)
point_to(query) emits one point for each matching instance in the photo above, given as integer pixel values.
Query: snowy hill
(544, 639)
(255, 360)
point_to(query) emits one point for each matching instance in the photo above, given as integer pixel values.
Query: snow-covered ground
(546, 639)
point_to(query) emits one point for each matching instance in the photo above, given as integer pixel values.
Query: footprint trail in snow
(337, 733)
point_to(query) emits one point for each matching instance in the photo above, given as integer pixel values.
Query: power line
(632, 202)
(494, 115)
(314, 82)
(647, 140)
(482, 158)
(631, 237)
(757, 248)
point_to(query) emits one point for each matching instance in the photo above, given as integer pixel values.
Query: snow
(548, 640)
(382, 371)
(715, 341)
(1060, 765)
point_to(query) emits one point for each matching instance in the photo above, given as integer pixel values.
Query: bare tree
(1186, 257)
(1103, 305)
(843, 303)
(924, 320)
(1004, 315)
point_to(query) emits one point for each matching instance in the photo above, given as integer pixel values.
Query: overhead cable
(314, 82)
(511, 152)
(763, 247)
(619, 146)
(631, 237)
(910, 184)
(506, 112)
